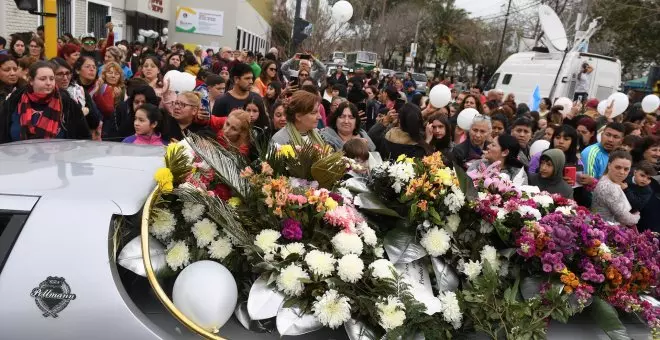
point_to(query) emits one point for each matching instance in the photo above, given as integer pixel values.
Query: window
(243, 40)
(507, 79)
(96, 19)
(63, 17)
(11, 223)
(238, 38)
(492, 83)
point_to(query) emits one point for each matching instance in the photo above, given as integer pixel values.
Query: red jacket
(217, 123)
(104, 98)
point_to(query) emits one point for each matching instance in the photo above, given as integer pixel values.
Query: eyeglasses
(272, 69)
(63, 74)
(303, 75)
(89, 42)
(182, 104)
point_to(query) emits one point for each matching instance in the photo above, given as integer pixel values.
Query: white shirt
(583, 83)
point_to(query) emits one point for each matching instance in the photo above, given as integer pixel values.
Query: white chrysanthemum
(436, 241)
(392, 313)
(472, 269)
(530, 189)
(485, 227)
(320, 263)
(266, 240)
(543, 200)
(402, 174)
(192, 212)
(368, 234)
(382, 269)
(332, 309)
(288, 282)
(451, 311)
(350, 268)
(220, 248)
(379, 252)
(455, 200)
(205, 232)
(525, 211)
(347, 243)
(177, 255)
(453, 222)
(489, 253)
(292, 248)
(162, 224)
(568, 211)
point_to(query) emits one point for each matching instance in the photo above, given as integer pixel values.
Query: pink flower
(344, 217)
(292, 230)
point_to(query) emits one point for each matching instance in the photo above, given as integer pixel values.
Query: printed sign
(52, 296)
(200, 21)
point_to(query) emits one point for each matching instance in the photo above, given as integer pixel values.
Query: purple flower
(547, 268)
(291, 229)
(337, 197)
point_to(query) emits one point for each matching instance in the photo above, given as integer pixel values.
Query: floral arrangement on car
(305, 255)
(414, 248)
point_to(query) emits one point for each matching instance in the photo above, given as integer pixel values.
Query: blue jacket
(595, 159)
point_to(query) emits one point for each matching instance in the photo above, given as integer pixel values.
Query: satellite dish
(553, 29)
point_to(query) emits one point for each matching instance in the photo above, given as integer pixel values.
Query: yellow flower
(234, 202)
(444, 176)
(410, 160)
(330, 204)
(286, 151)
(401, 158)
(164, 178)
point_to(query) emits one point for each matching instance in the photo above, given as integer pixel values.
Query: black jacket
(650, 214)
(465, 152)
(74, 122)
(341, 80)
(397, 143)
(637, 196)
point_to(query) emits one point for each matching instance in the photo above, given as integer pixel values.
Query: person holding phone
(550, 177)
(583, 83)
(316, 69)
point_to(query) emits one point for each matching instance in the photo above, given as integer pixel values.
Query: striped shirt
(595, 159)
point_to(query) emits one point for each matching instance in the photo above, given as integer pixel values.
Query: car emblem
(52, 296)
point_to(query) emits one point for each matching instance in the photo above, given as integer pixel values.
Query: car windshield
(11, 224)
(420, 77)
(368, 57)
(339, 55)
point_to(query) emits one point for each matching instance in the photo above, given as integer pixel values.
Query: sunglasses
(89, 42)
(272, 69)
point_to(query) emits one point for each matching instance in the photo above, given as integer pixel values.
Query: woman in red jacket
(110, 92)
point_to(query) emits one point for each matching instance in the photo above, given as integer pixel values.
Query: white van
(521, 72)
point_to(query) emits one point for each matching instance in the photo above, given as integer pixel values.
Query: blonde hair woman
(185, 110)
(109, 93)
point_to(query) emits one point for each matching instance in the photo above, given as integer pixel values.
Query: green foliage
(495, 307)
(607, 318)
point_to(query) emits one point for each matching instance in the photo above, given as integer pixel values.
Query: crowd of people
(111, 91)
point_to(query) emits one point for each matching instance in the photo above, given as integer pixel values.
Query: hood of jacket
(558, 160)
(398, 136)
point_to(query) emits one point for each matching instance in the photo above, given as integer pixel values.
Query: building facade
(239, 24)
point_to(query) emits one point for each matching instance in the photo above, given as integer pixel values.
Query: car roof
(80, 170)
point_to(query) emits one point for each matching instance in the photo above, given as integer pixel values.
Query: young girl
(109, 94)
(148, 123)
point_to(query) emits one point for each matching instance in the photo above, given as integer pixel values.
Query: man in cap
(89, 47)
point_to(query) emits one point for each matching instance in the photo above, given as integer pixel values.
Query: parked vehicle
(361, 59)
(420, 79)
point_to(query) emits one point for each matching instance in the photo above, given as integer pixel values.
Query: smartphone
(398, 103)
(108, 18)
(579, 99)
(361, 106)
(305, 56)
(571, 172)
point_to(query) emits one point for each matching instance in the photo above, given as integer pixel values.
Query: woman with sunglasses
(41, 110)
(63, 79)
(265, 78)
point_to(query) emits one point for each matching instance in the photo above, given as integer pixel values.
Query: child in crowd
(638, 190)
(630, 142)
(550, 177)
(357, 149)
(148, 123)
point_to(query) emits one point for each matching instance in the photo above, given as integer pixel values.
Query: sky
(481, 8)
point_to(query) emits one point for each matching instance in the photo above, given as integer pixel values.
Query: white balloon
(140, 39)
(566, 103)
(142, 32)
(620, 103)
(180, 82)
(440, 96)
(539, 146)
(602, 106)
(206, 293)
(465, 118)
(154, 34)
(650, 103)
(165, 30)
(342, 11)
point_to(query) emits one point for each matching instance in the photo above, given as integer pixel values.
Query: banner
(200, 21)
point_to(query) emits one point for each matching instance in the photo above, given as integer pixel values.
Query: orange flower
(422, 205)
(568, 289)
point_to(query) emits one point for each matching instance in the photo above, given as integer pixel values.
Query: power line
(487, 18)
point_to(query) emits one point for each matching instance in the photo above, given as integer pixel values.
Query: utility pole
(506, 22)
(294, 46)
(412, 58)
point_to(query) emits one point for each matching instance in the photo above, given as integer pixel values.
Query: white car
(61, 204)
